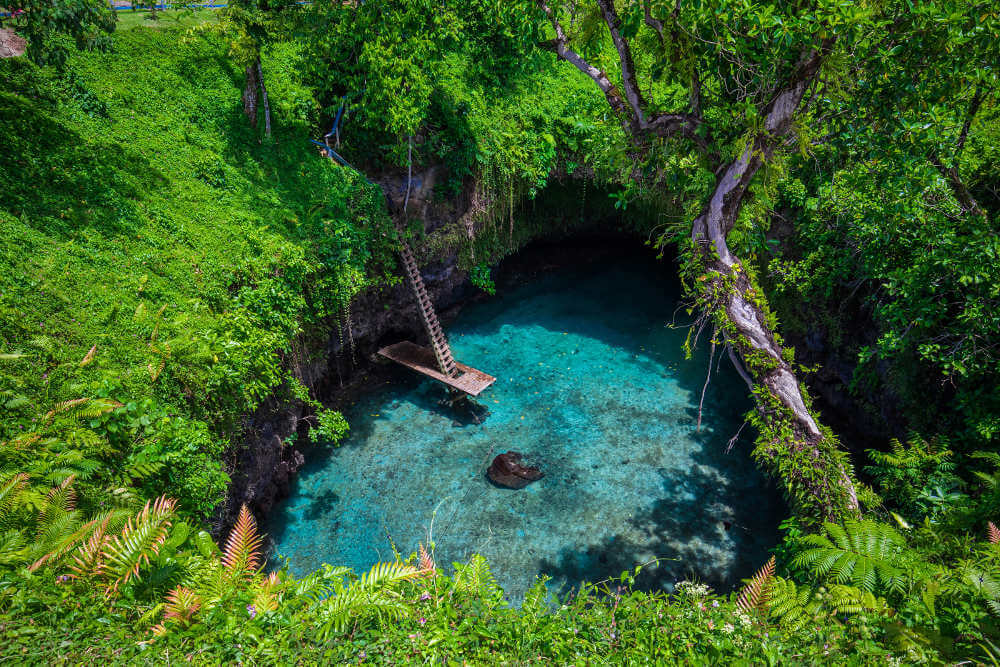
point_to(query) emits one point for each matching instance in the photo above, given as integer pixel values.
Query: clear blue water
(593, 386)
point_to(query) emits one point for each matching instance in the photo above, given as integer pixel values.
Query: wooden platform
(422, 360)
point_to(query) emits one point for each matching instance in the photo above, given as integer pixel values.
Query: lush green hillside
(159, 255)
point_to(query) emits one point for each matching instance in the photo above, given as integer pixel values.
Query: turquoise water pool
(593, 386)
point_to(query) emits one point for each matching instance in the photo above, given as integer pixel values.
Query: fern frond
(992, 457)
(56, 537)
(58, 501)
(320, 584)
(87, 559)
(383, 574)
(12, 547)
(65, 406)
(992, 533)
(18, 402)
(181, 605)
(357, 602)
(754, 594)
(862, 553)
(89, 356)
(853, 600)
(476, 578)
(97, 407)
(425, 562)
(791, 605)
(11, 490)
(266, 598)
(206, 575)
(143, 470)
(61, 545)
(124, 555)
(242, 557)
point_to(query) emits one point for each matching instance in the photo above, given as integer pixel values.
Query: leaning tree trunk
(797, 450)
(792, 443)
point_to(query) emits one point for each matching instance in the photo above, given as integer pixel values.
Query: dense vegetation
(168, 269)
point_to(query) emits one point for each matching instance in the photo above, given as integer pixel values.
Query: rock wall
(262, 466)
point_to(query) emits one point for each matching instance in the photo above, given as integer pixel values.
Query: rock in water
(506, 470)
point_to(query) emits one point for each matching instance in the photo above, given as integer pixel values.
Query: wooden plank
(421, 359)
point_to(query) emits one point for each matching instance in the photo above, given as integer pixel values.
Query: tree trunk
(739, 309)
(250, 94)
(263, 94)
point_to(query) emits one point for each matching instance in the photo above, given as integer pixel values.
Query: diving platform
(425, 362)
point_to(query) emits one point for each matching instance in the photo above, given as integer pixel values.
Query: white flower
(692, 589)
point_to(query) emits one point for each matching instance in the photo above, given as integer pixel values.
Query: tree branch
(951, 174)
(629, 108)
(632, 92)
(977, 100)
(958, 187)
(562, 49)
(654, 23)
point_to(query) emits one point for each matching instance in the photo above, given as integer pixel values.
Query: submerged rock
(506, 470)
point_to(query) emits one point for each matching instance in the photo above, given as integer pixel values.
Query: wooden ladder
(439, 343)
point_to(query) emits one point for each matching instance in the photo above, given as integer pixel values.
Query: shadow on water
(675, 539)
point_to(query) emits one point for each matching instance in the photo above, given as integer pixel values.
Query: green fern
(12, 489)
(791, 605)
(475, 577)
(13, 550)
(383, 574)
(534, 604)
(124, 555)
(865, 554)
(320, 584)
(60, 500)
(983, 581)
(371, 595)
(853, 600)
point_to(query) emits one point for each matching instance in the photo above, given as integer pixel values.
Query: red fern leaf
(425, 562)
(754, 594)
(992, 532)
(87, 558)
(242, 557)
(181, 605)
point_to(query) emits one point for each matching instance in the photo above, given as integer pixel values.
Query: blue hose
(336, 120)
(335, 156)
